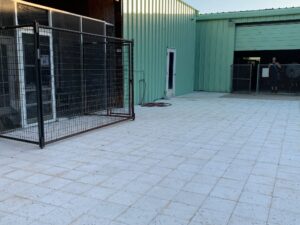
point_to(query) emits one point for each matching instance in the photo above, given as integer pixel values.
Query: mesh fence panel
(284, 78)
(287, 78)
(17, 84)
(241, 77)
(56, 83)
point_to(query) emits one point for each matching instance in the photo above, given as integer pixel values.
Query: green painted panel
(214, 55)
(268, 37)
(267, 18)
(155, 26)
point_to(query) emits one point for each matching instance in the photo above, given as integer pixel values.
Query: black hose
(157, 104)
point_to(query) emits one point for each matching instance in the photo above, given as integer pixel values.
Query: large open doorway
(265, 57)
(255, 67)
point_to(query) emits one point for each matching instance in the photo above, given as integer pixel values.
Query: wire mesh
(286, 78)
(283, 78)
(241, 77)
(55, 83)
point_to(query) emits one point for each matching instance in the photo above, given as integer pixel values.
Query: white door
(171, 73)
(28, 79)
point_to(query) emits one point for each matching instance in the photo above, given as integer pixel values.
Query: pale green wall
(215, 46)
(156, 25)
(216, 40)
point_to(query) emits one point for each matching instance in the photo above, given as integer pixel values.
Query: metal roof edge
(250, 13)
(188, 5)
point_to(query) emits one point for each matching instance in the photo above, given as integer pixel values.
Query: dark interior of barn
(290, 70)
(265, 57)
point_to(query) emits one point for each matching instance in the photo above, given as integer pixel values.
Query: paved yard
(205, 160)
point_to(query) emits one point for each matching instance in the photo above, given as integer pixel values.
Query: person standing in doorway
(274, 72)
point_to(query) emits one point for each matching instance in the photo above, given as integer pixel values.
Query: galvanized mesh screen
(241, 77)
(284, 79)
(57, 83)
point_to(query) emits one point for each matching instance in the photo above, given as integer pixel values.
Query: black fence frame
(39, 91)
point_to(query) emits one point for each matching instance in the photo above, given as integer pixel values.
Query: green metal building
(223, 39)
(205, 46)
(164, 33)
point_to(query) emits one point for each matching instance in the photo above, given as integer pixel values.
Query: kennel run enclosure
(249, 78)
(55, 83)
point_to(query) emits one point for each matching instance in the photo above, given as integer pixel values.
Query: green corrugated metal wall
(156, 25)
(215, 44)
(268, 37)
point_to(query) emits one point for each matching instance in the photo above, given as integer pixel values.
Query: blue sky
(209, 6)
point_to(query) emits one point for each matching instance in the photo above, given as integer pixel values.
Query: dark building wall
(102, 9)
(74, 6)
(107, 10)
(7, 11)
(99, 9)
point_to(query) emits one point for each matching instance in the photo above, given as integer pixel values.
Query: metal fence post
(232, 85)
(257, 79)
(250, 78)
(83, 84)
(132, 78)
(39, 90)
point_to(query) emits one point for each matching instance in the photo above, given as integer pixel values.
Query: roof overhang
(249, 14)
